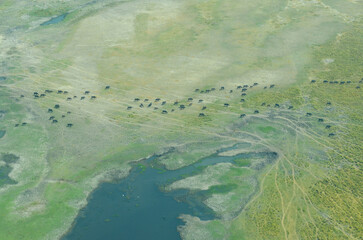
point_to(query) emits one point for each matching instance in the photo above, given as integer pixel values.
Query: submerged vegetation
(115, 82)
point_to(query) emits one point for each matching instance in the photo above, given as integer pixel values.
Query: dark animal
(137, 99)
(23, 124)
(331, 134)
(17, 125)
(325, 81)
(68, 99)
(42, 95)
(255, 84)
(243, 94)
(69, 125)
(51, 117)
(56, 106)
(244, 89)
(86, 92)
(196, 90)
(320, 120)
(222, 88)
(65, 92)
(226, 104)
(245, 85)
(238, 87)
(328, 103)
(181, 107)
(83, 97)
(242, 100)
(256, 111)
(163, 103)
(204, 108)
(213, 89)
(21, 96)
(68, 112)
(200, 100)
(277, 105)
(176, 103)
(164, 112)
(107, 87)
(201, 114)
(93, 97)
(54, 121)
(141, 105)
(150, 104)
(327, 126)
(290, 107)
(313, 81)
(230, 91)
(157, 99)
(50, 110)
(63, 116)
(242, 115)
(308, 114)
(129, 107)
(190, 99)
(272, 85)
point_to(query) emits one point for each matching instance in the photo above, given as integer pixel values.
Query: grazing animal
(320, 120)
(65, 92)
(327, 126)
(313, 81)
(190, 99)
(83, 97)
(243, 94)
(23, 124)
(48, 91)
(256, 111)
(325, 81)
(245, 86)
(328, 103)
(255, 84)
(54, 121)
(51, 117)
(156, 108)
(222, 88)
(200, 100)
(163, 103)
(331, 134)
(86, 92)
(150, 104)
(176, 103)
(204, 108)
(141, 105)
(74, 96)
(272, 85)
(56, 106)
(69, 125)
(196, 90)
(50, 110)
(129, 108)
(213, 89)
(181, 107)
(201, 115)
(63, 116)
(349, 81)
(68, 112)
(242, 115)
(207, 91)
(172, 110)
(107, 87)
(238, 87)
(230, 91)
(290, 107)
(68, 99)
(342, 82)
(308, 114)
(226, 104)
(265, 87)
(157, 99)
(42, 95)
(277, 105)
(242, 100)
(22, 96)
(244, 89)
(17, 125)
(93, 97)
(137, 99)
(357, 87)
(164, 112)
(59, 91)
(263, 104)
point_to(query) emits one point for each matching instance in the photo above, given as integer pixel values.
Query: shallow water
(136, 207)
(54, 20)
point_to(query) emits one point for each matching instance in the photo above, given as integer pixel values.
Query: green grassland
(166, 49)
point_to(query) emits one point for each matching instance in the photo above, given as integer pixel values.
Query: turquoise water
(54, 20)
(137, 208)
